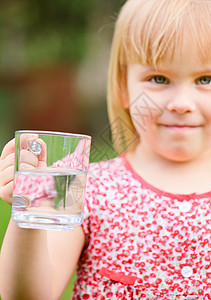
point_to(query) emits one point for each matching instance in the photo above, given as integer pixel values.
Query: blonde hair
(149, 32)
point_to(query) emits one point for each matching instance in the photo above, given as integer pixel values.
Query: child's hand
(28, 160)
(7, 161)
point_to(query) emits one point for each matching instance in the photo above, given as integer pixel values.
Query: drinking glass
(50, 179)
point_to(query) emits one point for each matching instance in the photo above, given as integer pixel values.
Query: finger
(42, 156)
(6, 176)
(28, 157)
(8, 149)
(6, 193)
(7, 161)
(10, 146)
(26, 167)
(24, 138)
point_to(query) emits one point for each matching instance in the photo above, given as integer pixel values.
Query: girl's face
(170, 107)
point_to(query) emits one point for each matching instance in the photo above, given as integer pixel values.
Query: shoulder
(109, 175)
(104, 169)
(100, 182)
(102, 176)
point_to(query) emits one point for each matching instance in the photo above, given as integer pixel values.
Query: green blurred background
(53, 72)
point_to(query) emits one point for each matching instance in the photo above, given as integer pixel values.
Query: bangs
(152, 32)
(172, 29)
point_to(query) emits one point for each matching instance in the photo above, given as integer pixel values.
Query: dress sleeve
(35, 187)
(90, 194)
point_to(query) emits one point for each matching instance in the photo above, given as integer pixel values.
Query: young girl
(147, 222)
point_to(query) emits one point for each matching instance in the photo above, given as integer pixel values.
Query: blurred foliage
(39, 33)
(47, 31)
(37, 36)
(99, 151)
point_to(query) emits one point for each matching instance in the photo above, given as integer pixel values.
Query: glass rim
(54, 133)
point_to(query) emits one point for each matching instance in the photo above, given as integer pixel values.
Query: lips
(180, 127)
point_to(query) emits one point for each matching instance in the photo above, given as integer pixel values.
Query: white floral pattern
(142, 243)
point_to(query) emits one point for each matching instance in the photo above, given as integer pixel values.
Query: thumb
(42, 157)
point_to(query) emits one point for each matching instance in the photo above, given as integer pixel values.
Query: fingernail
(34, 146)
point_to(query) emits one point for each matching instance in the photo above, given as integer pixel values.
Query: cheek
(206, 109)
(144, 111)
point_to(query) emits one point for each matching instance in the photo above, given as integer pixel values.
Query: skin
(34, 264)
(176, 133)
(43, 261)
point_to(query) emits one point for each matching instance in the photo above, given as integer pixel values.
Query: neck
(145, 156)
(171, 176)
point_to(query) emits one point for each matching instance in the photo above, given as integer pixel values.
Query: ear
(122, 89)
(125, 100)
(124, 96)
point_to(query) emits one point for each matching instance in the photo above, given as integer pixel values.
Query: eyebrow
(148, 69)
(163, 70)
(202, 71)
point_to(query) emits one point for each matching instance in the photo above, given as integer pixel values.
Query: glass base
(46, 221)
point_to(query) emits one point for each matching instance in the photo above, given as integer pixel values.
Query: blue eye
(204, 80)
(159, 79)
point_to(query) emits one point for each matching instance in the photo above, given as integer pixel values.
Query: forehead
(188, 56)
(173, 70)
(187, 39)
(193, 47)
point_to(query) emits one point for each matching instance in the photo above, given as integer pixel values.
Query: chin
(179, 157)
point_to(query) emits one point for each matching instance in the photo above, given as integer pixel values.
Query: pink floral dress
(141, 242)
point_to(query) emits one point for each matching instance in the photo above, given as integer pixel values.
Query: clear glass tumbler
(50, 179)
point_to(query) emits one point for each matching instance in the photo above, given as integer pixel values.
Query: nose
(181, 101)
